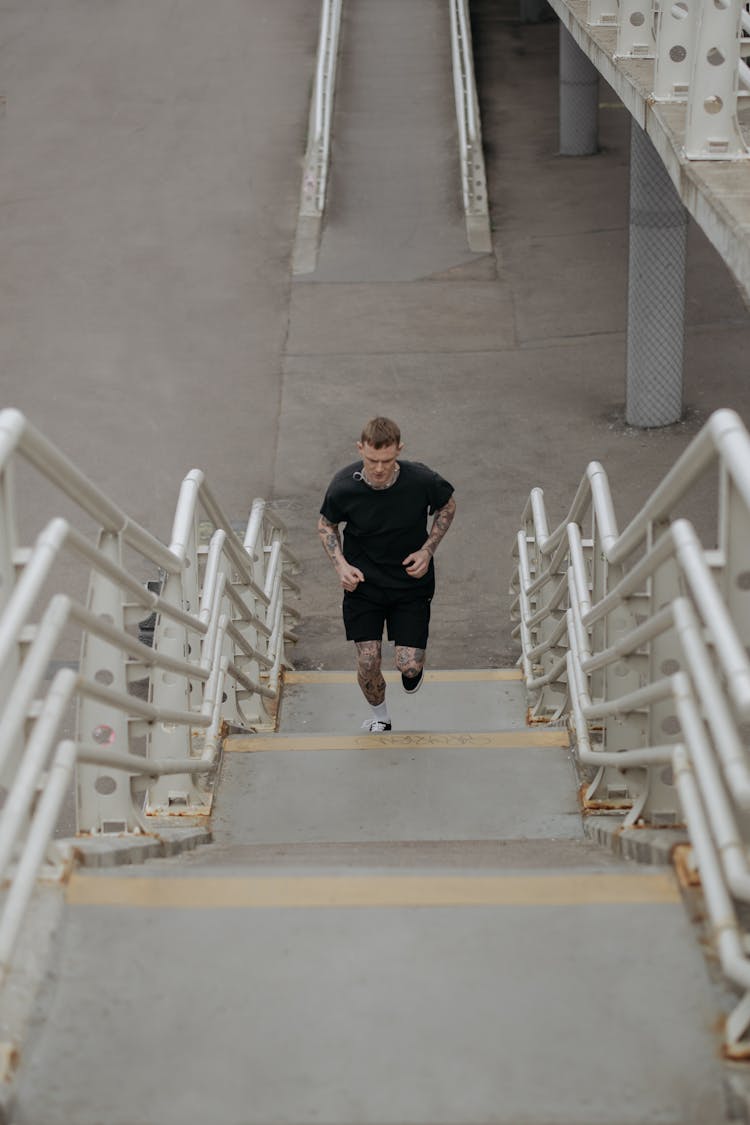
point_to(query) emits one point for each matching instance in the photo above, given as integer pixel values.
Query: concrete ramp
(393, 209)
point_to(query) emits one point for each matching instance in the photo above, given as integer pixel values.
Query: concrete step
(382, 856)
(396, 793)
(549, 999)
(474, 699)
(461, 765)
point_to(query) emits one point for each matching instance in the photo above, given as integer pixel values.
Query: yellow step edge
(436, 676)
(400, 740)
(238, 892)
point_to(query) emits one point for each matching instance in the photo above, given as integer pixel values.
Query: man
(385, 563)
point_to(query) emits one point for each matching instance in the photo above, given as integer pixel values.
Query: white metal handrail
(640, 641)
(463, 71)
(17, 435)
(471, 155)
(317, 156)
(219, 646)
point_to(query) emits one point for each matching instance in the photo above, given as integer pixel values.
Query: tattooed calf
(369, 675)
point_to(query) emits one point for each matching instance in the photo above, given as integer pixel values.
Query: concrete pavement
(149, 177)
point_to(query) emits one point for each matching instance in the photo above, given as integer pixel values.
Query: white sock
(380, 711)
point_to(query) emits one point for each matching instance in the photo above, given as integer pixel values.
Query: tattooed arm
(349, 576)
(417, 564)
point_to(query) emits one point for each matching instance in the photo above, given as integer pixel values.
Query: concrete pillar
(579, 99)
(656, 290)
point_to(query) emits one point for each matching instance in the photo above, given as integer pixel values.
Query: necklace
(380, 487)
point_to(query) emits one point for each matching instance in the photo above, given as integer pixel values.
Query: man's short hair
(381, 432)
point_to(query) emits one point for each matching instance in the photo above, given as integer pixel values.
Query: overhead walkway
(386, 928)
(681, 72)
(681, 109)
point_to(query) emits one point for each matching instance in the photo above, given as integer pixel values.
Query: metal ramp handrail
(471, 155)
(639, 640)
(318, 150)
(152, 710)
(317, 156)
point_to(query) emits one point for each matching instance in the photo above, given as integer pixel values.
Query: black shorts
(405, 612)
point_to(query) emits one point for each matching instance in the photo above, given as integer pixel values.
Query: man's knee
(409, 661)
(369, 657)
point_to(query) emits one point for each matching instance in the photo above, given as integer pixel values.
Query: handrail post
(8, 541)
(276, 610)
(659, 804)
(550, 601)
(734, 543)
(103, 797)
(255, 709)
(599, 588)
(611, 788)
(635, 30)
(675, 46)
(712, 131)
(176, 794)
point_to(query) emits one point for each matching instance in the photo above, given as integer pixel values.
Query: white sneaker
(376, 726)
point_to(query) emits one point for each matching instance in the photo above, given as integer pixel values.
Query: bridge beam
(656, 290)
(579, 99)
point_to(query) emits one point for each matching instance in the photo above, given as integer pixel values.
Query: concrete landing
(467, 700)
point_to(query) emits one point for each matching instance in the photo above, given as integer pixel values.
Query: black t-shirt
(384, 525)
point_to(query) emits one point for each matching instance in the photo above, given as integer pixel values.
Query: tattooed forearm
(349, 576)
(441, 523)
(330, 538)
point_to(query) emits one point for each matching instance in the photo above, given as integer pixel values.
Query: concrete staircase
(386, 929)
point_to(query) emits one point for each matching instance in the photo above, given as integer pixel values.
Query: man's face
(379, 464)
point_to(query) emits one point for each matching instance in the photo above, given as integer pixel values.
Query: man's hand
(418, 563)
(349, 576)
